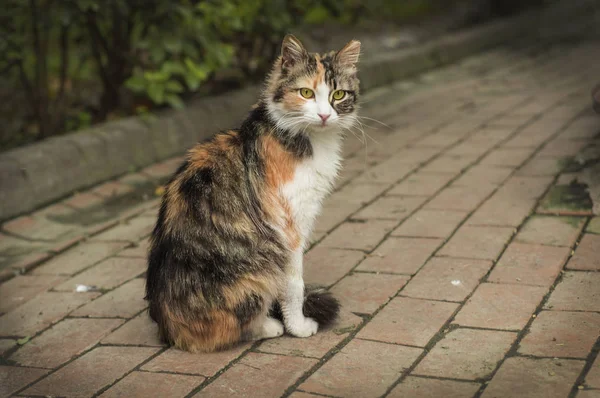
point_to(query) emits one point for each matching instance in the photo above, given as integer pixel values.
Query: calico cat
(225, 261)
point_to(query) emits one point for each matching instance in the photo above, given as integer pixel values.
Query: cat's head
(313, 92)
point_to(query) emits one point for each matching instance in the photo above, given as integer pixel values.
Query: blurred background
(68, 64)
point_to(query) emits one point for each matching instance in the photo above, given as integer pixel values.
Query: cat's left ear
(348, 55)
(292, 51)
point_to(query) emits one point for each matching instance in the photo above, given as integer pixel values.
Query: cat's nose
(324, 117)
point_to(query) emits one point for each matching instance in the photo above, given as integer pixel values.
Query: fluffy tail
(319, 304)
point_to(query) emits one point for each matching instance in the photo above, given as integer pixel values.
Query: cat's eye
(307, 93)
(339, 94)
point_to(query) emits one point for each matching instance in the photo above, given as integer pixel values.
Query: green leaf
(173, 68)
(174, 101)
(24, 340)
(174, 86)
(156, 92)
(192, 81)
(136, 83)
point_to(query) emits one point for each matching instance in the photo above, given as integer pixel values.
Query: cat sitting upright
(225, 262)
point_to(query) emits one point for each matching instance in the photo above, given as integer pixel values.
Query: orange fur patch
(220, 329)
(280, 166)
(320, 76)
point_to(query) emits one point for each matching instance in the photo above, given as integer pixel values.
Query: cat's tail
(319, 304)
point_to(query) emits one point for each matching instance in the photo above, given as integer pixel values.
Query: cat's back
(211, 184)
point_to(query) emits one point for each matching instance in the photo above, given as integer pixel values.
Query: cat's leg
(292, 300)
(266, 327)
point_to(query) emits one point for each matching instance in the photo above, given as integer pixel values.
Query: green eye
(307, 93)
(339, 94)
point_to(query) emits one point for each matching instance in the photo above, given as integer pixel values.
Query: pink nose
(324, 117)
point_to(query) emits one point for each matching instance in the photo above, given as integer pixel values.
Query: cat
(225, 258)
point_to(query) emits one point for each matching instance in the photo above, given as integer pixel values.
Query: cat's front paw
(303, 327)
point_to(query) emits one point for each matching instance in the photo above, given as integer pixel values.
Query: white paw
(272, 328)
(303, 327)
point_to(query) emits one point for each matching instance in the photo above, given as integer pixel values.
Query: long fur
(240, 208)
(319, 304)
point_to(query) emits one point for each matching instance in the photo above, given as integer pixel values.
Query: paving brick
(432, 388)
(566, 199)
(553, 231)
(316, 346)
(467, 354)
(357, 193)
(93, 371)
(438, 140)
(594, 226)
(275, 372)
(587, 254)
(123, 302)
(461, 198)
(561, 334)
(333, 214)
(300, 394)
(135, 179)
(202, 364)
(78, 258)
(507, 157)
(140, 249)
(592, 379)
(526, 139)
(12, 379)
(162, 170)
(577, 291)
(502, 210)
(484, 243)
(482, 175)
(529, 264)
(138, 331)
(107, 274)
(365, 293)
(112, 189)
(525, 187)
(421, 184)
(62, 342)
(450, 163)
(37, 228)
(388, 171)
(391, 207)
(23, 288)
(495, 306)
(470, 147)
(324, 266)
(40, 312)
(542, 166)
(562, 147)
(444, 278)
(145, 384)
(358, 235)
(400, 255)
(430, 224)
(350, 372)
(6, 344)
(588, 394)
(132, 230)
(408, 321)
(534, 378)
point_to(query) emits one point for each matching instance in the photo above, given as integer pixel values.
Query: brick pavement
(455, 279)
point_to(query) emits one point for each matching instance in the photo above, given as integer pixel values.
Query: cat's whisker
(375, 120)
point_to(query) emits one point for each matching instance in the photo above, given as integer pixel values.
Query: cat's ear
(348, 55)
(292, 51)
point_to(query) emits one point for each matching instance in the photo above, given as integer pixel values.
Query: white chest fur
(313, 180)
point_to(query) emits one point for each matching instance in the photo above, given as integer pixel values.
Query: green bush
(78, 62)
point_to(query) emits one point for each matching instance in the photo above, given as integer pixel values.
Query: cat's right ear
(292, 52)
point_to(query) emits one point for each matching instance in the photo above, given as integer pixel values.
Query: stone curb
(38, 174)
